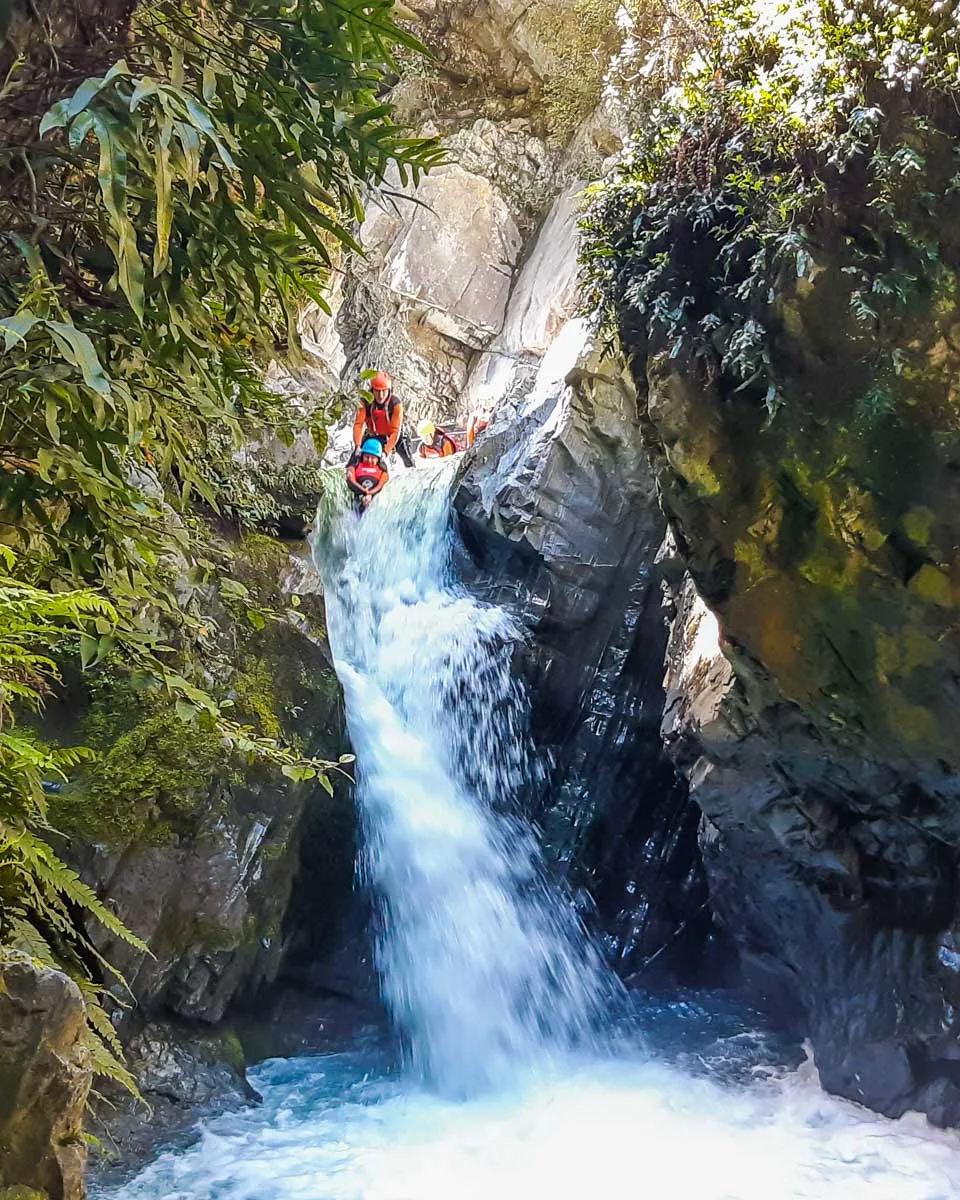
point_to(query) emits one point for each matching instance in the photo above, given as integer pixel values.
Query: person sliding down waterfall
(368, 477)
(434, 441)
(381, 419)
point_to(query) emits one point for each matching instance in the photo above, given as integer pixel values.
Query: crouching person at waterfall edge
(477, 424)
(434, 441)
(368, 476)
(381, 419)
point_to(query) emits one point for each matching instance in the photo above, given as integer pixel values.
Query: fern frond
(106, 1064)
(55, 876)
(24, 936)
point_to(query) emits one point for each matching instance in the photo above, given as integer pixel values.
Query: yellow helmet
(426, 431)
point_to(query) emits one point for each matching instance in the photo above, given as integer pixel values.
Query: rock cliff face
(197, 852)
(813, 677)
(205, 857)
(818, 723)
(45, 1078)
(558, 510)
(436, 298)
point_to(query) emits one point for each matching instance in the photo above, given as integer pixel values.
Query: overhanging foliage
(782, 133)
(175, 179)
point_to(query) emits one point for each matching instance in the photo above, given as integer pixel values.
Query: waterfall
(485, 971)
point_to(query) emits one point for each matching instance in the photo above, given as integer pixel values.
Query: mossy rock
(828, 541)
(155, 778)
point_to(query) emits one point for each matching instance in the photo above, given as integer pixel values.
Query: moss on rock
(154, 779)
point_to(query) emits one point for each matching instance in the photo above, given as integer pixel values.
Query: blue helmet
(372, 446)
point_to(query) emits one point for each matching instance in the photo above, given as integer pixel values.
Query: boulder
(452, 247)
(183, 1075)
(45, 1078)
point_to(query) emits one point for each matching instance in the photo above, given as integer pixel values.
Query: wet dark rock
(876, 1073)
(827, 870)
(183, 1075)
(815, 709)
(811, 693)
(561, 523)
(45, 1078)
(305, 1021)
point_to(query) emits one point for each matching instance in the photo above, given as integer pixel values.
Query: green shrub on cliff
(153, 775)
(783, 131)
(583, 37)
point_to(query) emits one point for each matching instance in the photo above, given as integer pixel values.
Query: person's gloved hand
(383, 461)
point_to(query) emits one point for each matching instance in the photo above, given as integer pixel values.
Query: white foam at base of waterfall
(628, 1129)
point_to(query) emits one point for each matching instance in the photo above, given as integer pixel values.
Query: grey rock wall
(559, 513)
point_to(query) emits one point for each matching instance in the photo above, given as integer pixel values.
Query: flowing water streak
(486, 973)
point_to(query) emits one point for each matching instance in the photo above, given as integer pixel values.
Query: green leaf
(163, 180)
(85, 93)
(106, 647)
(233, 589)
(112, 177)
(50, 420)
(15, 329)
(30, 253)
(55, 117)
(190, 144)
(79, 350)
(79, 130)
(145, 88)
(45, 464)
(186, 711)
(320, 437)
(89, 648)
(203, 121)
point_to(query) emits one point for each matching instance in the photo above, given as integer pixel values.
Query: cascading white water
(483, 970)
(491, 979)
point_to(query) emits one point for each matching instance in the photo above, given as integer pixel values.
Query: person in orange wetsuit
(434, 441)
(368, 476)
(477, 424)
(381, 419)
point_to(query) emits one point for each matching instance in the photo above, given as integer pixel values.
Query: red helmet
(380, 382)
